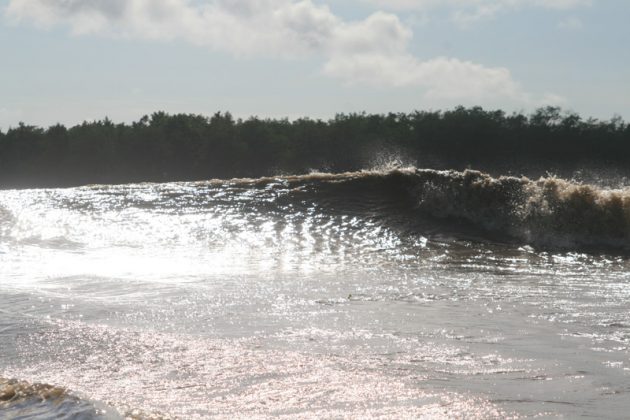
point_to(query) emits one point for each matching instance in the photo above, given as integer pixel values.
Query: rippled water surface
(312, 297)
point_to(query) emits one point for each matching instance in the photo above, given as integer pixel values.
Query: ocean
(393, 293)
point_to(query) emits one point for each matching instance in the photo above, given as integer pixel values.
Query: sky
(69, 61)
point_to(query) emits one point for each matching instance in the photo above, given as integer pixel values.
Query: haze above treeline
(186, 147)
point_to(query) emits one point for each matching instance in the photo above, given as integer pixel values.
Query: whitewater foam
(548, 211)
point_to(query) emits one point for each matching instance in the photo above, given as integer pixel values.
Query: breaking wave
(549, 212)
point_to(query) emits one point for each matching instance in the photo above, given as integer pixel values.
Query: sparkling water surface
(293, 298)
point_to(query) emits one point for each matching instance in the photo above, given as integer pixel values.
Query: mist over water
(396, 293)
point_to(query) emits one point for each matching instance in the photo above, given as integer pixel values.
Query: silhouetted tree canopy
(163, 147)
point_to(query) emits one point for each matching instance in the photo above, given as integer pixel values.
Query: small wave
(12, 391)
(20, 399)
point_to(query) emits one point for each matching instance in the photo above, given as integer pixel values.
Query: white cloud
(444, 80)
(373, 51)
(277, 27)
(467, 11)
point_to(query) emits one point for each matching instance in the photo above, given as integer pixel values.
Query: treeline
(164, 147)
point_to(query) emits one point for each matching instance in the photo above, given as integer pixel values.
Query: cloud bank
(372, 51)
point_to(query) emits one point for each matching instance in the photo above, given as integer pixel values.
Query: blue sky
(73, 60)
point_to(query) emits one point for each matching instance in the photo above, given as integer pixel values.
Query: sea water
(377, 294)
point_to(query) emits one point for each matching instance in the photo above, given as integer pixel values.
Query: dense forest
(179, 147)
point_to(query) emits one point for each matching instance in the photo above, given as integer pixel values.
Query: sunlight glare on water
(291, 298)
